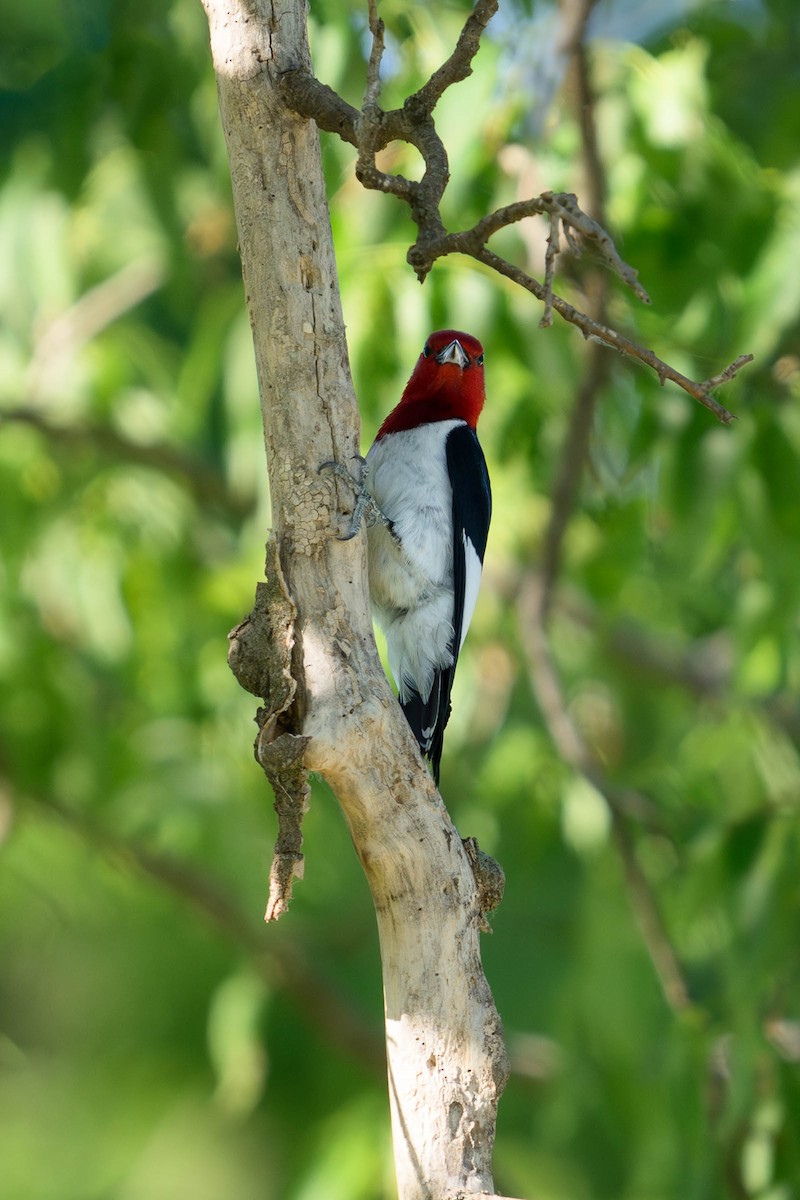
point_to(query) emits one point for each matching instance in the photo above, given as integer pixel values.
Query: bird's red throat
(449, 393)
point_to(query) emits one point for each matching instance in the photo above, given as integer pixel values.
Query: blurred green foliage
(155, 1041)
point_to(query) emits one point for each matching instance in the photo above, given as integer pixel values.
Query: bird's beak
(454, 353)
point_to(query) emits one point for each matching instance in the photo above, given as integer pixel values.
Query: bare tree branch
(372, 129)
(459, 65)
(604, 335)
(561, 208)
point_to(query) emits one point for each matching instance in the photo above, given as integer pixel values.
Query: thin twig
(725, 376)
(606, 336)
(551, 254)
(373, 88)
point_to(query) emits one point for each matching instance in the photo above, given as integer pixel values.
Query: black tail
(428, 719)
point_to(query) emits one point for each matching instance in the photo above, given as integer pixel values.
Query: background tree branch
(537, 594)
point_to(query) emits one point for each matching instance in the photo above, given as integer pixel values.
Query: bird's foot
(366, 507)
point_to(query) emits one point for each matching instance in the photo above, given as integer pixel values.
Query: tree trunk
(446, 1060)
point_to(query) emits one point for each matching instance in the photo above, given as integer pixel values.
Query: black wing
(472, 510)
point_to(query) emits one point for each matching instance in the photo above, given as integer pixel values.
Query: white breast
(411, 580)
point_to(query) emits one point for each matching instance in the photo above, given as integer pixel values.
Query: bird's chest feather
(409, 481)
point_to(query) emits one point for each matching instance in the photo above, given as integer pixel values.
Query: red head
(447, 383)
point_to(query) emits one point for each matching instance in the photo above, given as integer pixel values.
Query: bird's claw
(366, 508)
(338, 469)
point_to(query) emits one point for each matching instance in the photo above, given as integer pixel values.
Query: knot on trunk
(260, 652)
(490, 880)
(260, 657)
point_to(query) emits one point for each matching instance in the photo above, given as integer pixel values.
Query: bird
(424, 492)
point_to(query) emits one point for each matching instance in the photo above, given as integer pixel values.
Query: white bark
(446, 1059)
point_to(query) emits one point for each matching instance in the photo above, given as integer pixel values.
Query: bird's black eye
(426, 351)
(479, 361)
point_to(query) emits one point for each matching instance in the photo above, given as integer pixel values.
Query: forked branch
(372, 128)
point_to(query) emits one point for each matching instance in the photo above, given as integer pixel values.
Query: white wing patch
(472, 583)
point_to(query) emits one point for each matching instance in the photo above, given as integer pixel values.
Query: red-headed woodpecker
(428, 503)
